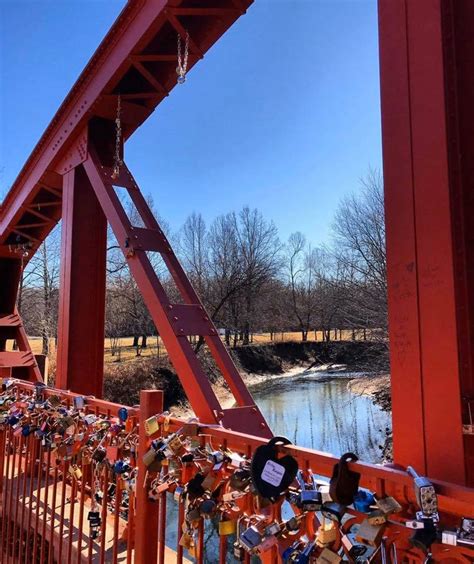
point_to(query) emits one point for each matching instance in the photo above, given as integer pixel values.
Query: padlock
(449, 537)
(209, 481)
(99, 455)
(151, 426)
(207, 508)
(95, 522)
(466, 532)
(192, 515)
(193, 550)
(79, 402)
(272, 529)
(178, 493)
(175, 444)
(152, 460)
(250, 538)
(388, 505)
(363, 500)
(369, 534)
(304, 555)
(54, 400)
(229, 497)
(424, 537)
(291, 551)
(377, 517)
(240, 479)
(328, 557)
(309, 497)
(333, 511)
(227, 527)
(326, 534)
(238, 551)
(75, 471)
(425, 493)
(358, 552)
(186, 540)
(266, 544)
(293, 524)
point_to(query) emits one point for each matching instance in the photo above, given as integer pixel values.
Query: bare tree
(359, 229)
(39, 306)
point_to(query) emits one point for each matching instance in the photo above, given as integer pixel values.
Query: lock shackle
(412, 472)
(349, 457)
(279, 441)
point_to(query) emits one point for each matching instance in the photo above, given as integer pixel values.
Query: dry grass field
(127, 353)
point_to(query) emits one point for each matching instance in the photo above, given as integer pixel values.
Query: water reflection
(324, 415)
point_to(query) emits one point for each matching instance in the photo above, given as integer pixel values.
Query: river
(313, 410)
(320, 412)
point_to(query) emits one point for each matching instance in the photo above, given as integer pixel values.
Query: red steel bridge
(427, 88)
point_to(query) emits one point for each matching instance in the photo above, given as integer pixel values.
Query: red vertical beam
(420, 243)
(458, 28)
(146, 521)
(405, 356)
(80, 363)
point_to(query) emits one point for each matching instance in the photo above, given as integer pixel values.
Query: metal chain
(182, 67)
(118, 139)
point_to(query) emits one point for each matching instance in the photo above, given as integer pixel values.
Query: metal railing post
(146, 523)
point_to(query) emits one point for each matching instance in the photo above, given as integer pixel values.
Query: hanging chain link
(118, 140)
(182, 67)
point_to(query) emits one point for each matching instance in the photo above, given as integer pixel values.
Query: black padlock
(271, 474)
(344, 483)
(238, 552)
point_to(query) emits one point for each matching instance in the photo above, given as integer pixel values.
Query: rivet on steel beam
(170, 307)
(175, 318)
(181, 330)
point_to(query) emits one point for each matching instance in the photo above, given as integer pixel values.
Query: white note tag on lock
(273, 473)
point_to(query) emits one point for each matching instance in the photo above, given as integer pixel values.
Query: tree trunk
(135, 341)
(144, 337)
(227, 337)
(304, 336)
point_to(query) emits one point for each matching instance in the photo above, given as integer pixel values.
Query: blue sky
(283, 113)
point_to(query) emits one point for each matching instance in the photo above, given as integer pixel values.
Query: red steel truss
(426, 54)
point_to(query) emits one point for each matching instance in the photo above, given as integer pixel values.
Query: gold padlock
(175, 444)
(151, 425)
(227, 528)
(326, 534)
(369, 534)
(186, 541)
(328, 557)
(388, 505)
(193, 551)
(377, 517)
(75, 471)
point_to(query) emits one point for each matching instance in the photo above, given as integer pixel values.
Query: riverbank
(258, 365)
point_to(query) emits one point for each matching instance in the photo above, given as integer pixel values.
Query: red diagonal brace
(174, 322)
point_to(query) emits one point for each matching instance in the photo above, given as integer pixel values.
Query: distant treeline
(249, 280)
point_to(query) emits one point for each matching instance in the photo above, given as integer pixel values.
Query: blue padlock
(363, 500)
(123, 414)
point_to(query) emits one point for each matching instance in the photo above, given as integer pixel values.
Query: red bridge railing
(81, 488)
